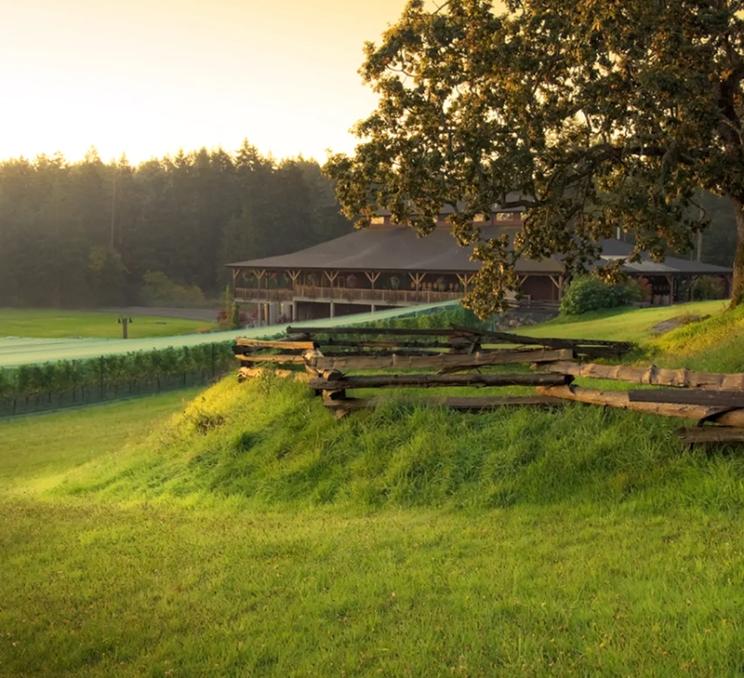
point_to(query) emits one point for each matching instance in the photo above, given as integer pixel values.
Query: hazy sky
(147, 77)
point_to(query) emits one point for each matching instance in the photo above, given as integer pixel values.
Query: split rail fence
(455, 357)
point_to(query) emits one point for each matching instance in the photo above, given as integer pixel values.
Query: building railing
(345, 295)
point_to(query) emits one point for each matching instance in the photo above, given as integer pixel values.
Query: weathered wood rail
(446, 361)
(339, 381)
(659, 376)
(465, 404)
(463, 337)
(327, 353)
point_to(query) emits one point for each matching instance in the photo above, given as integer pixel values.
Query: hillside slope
(270, 443)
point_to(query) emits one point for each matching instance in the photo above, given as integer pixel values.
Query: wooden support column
(464, 279)
(417, 279)
(293, 276)
(331, 275)
(557, 281)
(372, 277)
(260, 275)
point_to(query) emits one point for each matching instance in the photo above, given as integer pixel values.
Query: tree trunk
(737, 288)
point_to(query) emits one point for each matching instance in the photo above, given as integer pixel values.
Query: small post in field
(124, 322)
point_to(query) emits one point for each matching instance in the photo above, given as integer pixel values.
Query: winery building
(387, 265)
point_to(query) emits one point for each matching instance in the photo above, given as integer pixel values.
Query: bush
(589, 293)
(707, 287)
(114, 374)
(159, 290)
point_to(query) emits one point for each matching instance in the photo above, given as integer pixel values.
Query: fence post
(100, 376)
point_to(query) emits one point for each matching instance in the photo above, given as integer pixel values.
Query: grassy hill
(248, 532)
(715, 342)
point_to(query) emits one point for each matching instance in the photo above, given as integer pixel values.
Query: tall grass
(271, 444)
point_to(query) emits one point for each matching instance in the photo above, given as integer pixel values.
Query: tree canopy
(89, 233)
(591, 115)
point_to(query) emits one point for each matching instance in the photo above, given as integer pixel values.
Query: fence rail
(711, 399)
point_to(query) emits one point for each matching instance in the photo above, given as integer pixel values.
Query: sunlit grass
(620, 324)
(247, 532)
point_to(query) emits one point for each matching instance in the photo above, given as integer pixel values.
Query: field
(28, 350)
(248, 533)
(57, 324)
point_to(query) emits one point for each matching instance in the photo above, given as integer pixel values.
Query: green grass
(714, 343)
(620, 324)
(43, 446)
(250, 533)
(53, 323)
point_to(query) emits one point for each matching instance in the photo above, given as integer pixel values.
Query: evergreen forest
(92, 233)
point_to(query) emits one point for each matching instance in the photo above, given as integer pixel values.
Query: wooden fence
(454, 357)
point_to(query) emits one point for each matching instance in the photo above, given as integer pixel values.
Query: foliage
(159, 290)
(185, 216)
(590, 115)
(230, 316)
(451, 316)
(117, 373)
(107, 277)
(589, 293)
(707, 287)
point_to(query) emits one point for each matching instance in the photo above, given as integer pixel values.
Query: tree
(90, 232)
(591, 115)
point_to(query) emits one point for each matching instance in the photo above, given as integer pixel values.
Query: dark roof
(617, 249)
(396, 248)
(392, 248)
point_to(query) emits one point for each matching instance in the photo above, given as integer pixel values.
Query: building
(387, 265)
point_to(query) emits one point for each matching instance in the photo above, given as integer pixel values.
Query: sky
(148, 77)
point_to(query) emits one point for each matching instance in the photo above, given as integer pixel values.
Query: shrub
(159, 290)
(112, 373)
(707, 287)
(589, 293)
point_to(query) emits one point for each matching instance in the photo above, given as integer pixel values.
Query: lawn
(621, 324)
(54, 323)
(251, 534)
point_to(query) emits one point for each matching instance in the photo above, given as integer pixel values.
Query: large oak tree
(592, 115)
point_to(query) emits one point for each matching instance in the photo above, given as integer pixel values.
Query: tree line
(97, 233)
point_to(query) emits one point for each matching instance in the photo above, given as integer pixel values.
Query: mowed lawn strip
(55, 323)
(101, 590)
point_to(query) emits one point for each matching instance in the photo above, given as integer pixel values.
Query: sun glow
(146, 78)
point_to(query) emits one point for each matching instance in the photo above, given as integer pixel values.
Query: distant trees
(88, 233)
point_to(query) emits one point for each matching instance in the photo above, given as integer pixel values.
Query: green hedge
(31, 387)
